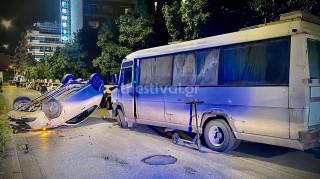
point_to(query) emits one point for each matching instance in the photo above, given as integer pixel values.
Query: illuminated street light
(6, 46)
(6, 23)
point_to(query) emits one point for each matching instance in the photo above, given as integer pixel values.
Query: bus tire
(20, 102)
(52, 108)
(96, 81)
(66, 78)
(219, 137)
(120, 119)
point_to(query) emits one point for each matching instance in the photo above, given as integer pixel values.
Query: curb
(10, 166)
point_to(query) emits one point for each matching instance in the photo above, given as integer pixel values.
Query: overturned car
(68, 104)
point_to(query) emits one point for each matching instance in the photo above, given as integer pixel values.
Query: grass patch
(5, 129)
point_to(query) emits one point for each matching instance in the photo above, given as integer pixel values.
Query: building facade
(43, 39)
(92, 12)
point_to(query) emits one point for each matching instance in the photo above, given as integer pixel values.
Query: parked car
(68, 104)
(43, 88)
(34, 86)
(38, 87)
(29, 85)
(106, 100)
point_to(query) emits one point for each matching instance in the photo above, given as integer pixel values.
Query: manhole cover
(159, 160)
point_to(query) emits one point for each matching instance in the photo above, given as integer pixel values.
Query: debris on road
(26, 150)
(190, 170)
(159, 160)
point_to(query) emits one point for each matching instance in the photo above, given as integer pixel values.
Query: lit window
(64, 11)
(64, 31)
(64, 17)
(64, 4)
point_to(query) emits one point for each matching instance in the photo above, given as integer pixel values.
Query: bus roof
(265, 31)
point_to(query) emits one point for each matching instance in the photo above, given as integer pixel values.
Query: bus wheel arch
(120, 115)
(218, 133)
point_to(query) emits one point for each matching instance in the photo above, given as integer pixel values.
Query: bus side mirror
(114, 79)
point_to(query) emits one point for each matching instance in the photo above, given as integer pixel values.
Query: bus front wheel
(219, 137)
(120, 119)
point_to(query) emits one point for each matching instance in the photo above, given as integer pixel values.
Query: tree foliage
(112, 52)
(189, 15)
(75, 58)
(269, 10)
(132, 31)
(136, 27)
(173, 20)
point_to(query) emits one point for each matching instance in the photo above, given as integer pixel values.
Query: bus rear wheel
(219, 137)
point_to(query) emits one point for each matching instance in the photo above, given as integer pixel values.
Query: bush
(5, 129)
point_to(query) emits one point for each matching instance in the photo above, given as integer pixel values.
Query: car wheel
(96, 81)
(120, 119)
(19, 102)
(66, 78)
(219, 137)
(52, 108)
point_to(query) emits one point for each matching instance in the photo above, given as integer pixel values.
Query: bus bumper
(311, 138)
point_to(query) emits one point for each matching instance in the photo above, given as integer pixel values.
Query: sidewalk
(10, 167)
(9, 164)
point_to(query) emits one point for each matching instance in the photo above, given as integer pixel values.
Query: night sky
(23, 13)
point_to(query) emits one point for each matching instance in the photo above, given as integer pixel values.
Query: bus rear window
(314, 58)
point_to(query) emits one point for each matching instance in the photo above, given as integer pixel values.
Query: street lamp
(6, 46)
(6, 23)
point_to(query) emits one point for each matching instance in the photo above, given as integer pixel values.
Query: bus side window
(126, 76)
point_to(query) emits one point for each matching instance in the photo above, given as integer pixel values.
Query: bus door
(153, 74)
(126, 88)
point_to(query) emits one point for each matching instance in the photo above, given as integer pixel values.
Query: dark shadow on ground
(308, 160)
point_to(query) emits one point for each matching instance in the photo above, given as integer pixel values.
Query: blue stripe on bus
(190, 121)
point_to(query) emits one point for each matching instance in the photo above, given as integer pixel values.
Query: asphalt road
(98, 148)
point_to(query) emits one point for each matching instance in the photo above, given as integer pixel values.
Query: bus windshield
(314, 58)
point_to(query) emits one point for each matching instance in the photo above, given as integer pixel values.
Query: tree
(21, 52)
(112, 52)
(194, 15)
(131, 32)
(136, 28)
(28, 65)
(173, 20)
(268, 11)
(190, 15)
(86, 40)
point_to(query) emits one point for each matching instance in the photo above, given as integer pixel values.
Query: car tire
(219, 137)
(120, 119)
(52, 108)
(67, 78)
(96, 81)
(20, 102)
